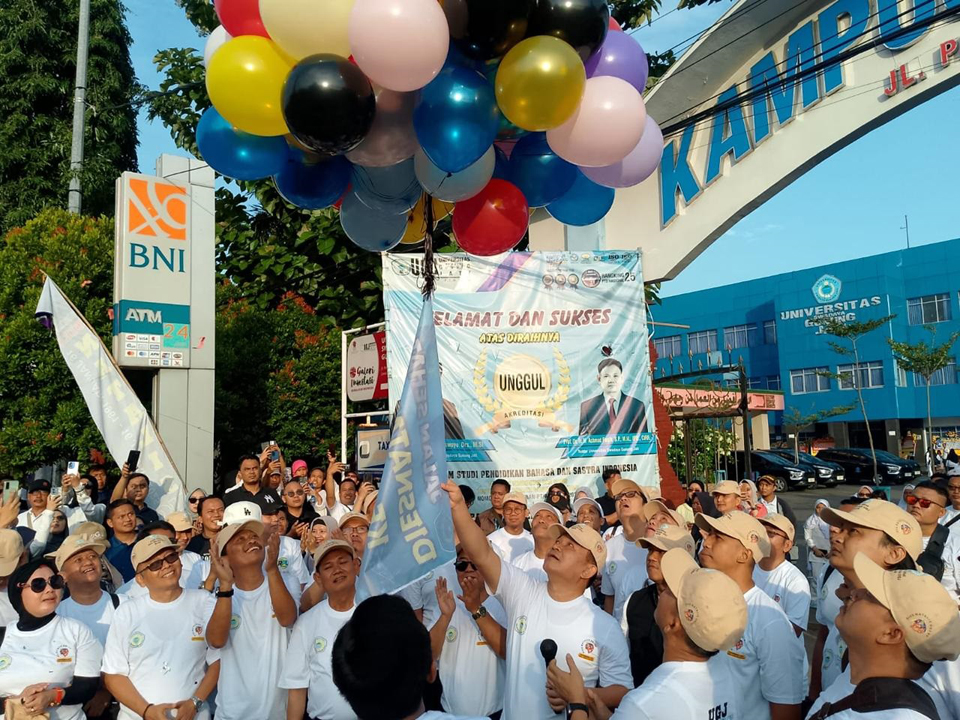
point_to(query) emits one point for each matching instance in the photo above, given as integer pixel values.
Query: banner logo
(523, 388)
(157, 210)
(827, 289)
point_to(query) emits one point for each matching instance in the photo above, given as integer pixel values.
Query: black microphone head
(548, 648)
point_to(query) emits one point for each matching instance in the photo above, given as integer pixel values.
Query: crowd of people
(619, 605)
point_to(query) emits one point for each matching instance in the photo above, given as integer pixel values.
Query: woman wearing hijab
(702, 503)
(748, 500)
(686, 507)
(816, 532)
(48, 664)
(559, 497)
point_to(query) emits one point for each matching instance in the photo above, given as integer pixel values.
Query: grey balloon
(391, 138)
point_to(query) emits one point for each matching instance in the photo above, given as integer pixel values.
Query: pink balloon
(615, 26)
(399, 44)
(636, 167)
(391, 138)
(605, 128)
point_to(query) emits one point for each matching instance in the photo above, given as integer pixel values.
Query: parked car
(858, 466)
(827, 473)
(789, 475)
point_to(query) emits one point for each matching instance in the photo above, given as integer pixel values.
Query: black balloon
(328, 104)
(490, 27)
(581, 23)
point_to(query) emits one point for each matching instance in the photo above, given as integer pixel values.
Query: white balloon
(452, 187)
(215, 41)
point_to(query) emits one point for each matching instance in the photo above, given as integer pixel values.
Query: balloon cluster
(483, 108)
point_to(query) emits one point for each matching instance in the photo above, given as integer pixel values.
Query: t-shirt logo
(319, 645)
(283, 563)
(827, 658)
(136, 640)
(588, 649)
(521, 624)
(451, 634)
(198, 629)
(611, 568)
(234, 622)
(5, 661)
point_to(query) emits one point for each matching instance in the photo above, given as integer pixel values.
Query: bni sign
(151, 312)
(367, 367)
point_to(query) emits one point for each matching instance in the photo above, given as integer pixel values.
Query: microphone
(548, 648)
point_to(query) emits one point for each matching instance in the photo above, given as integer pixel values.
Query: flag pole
(428, 278)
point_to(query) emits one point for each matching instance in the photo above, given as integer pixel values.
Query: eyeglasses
(356, 530)
(954, 488)
(629, 494)
(38, 585)
(922, 502)
(464, 566)
(295, 493)
(169, 559)
(194, 501)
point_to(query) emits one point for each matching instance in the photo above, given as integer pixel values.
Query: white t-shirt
(622, 554)
(435, 715)
(161, 647)
(530, 563)
(789, 588)
(422, 594)
(681, 691)
(942, 684)
(189, 563)
(293, 569)
(842, 687)
(633, 579)
(951, 566)
(307, 662)
(471, 673)
(338, 510)
(579, 628)
(828, 605)
(62, 649)
(8, 616)
(837, 690)
(97, 617)
(510, 547)
(767, 662)
(251, 661)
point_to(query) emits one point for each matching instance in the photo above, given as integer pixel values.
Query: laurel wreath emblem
(553, 402)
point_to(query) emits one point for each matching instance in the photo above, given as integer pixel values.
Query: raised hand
(445, 600)
(220, 567)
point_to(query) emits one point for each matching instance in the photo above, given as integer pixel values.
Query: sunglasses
(38, 585)
(295, 493)
(922, 502)
(558, 493)
(169, 559)
(194, 501)
(464, 566)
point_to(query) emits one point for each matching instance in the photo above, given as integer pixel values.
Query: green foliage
(921, 358)
(709, 440)
(43, 417)
(38, 45)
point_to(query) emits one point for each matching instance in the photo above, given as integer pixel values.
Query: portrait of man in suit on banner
(612, 412)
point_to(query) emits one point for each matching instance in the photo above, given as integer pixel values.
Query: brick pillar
(670, 486)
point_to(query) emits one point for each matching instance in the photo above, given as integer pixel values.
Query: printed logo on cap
(319, 645)
(904, 527)
(754, 538)
(919, 623)
(136, 640)
(690, 613)
(521, 625)
(451, 634)
(5, 662)
(234, 622)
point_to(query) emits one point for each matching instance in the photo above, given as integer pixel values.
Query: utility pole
(906, 226)
(79, 108)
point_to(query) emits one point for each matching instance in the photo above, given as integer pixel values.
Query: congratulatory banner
(544, 364)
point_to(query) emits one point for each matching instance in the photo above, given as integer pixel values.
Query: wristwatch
(572, 707)
(197, 703)
(480, 613)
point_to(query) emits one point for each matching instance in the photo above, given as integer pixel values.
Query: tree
(924, 360)
(851, 331)
(38, 46)
(633, 13)
(794, 422)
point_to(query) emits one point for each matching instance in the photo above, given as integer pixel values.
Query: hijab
(707, 504)
(752, 496)
(563, 504)
(27, 622)
(815, 521)
(56, 539)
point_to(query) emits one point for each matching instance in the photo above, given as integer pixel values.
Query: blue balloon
(501, 170)
(312, 186)
(369, 229)
(584, 203)
(392, 189)
(457, 118)
(452, 187)
(237, 154)
(542, 175)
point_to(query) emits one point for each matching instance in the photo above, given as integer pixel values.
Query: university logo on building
(827, 289)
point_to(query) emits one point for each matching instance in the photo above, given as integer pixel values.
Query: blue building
(771, 324)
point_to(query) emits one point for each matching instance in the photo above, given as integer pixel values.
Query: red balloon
(614, 25)
(240, 17)
(492, 221)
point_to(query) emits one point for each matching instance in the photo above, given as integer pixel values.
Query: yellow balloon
(245, 83)
(417, 223)
(307, 27)
(540, 83)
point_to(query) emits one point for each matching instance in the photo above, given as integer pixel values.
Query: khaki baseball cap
(354, 516)
(667, 538)
(329, 546)
(93, 530)
(745, 528)
(712, 610)
(624, 485)
(899, 525)
(727, 487)
(537, 507)
(11, 548)
(655, 506)
(781, 523)
(586, 537)
(919, 604)
(148, 547)
(228, 532)
(71, 546)
(181, 521)
(516, 497)
(651, 492)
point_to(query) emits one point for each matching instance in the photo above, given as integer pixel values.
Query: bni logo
(156, 210)
(827, 289)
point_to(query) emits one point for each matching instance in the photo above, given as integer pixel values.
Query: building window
(870, 375)
(739, 336)
(668, 347)
(809, 380)
(944, 376)
(900, 375)
(773, 382)
(756, 383)
(769, 332)
(704, 341)
(928, 309)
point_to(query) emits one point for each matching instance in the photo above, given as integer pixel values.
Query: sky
(861, 193)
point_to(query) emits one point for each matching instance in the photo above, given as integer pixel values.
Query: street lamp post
(79, 108)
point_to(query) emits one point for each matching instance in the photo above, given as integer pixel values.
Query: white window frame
(866, 374)
(743, 336)
(944, 376)
(674, 340)
(821, 382)
(932, 309)
(694, 339)
(769, 325)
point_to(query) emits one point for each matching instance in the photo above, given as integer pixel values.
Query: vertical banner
(544, 363)
(116, 410)
(412, 531)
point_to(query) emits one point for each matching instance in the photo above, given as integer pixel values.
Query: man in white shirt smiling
(555, 610)
(512, 540)
(767, 661)
(781, 579)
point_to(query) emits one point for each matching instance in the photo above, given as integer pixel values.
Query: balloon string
(428, 278)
